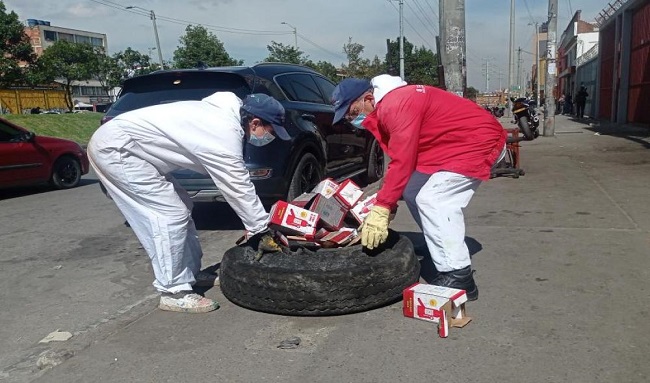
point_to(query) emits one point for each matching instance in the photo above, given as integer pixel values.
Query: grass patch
(72, 126)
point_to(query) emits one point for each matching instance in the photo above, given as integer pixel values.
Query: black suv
(281, 169)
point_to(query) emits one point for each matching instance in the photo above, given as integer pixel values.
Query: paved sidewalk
(562, 258)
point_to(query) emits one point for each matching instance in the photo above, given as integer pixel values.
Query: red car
(27, 159)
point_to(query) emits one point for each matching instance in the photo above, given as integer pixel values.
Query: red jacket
(427, 129)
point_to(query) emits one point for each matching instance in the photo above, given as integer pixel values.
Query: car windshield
(178, 86)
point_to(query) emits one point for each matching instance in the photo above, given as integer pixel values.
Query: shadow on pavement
(24, 191)
(634, 133)
(215, 216)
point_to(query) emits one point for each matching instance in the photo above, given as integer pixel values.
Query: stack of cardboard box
(328, 216)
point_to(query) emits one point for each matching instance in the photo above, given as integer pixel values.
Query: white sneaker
(205, 279)
(187, 302)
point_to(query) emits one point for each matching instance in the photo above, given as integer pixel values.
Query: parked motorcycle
(526, 118)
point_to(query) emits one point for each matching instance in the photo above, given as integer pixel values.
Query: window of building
(82, 39)
(66, 37)
(50, 35)
(97, 42)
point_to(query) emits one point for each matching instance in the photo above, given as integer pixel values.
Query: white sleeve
(229, 173)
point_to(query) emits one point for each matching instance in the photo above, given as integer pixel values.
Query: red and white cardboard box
(361, 210)
(326, 187)
(438, 304)
(290, 219)
(348, 193)
(340, 237)
(330, 211)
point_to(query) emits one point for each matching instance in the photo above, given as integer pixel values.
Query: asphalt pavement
(561, 256)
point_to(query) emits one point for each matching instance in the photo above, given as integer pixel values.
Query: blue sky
(246, 27)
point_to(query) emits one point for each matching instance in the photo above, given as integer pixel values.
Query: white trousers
(436, 202)
(158, 210)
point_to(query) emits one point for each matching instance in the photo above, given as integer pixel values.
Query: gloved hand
(263, 242)
(374, 230)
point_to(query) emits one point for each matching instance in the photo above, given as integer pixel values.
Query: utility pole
(152, 16)
(551, 71)
(452, 36)
(401, 39)
(500, 78)
(155, 30)
(511, 54)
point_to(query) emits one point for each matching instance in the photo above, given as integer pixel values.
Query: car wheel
(322, 282)
(306, 176)
(66, 173)
(376, 164)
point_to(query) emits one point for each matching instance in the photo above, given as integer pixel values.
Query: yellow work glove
(374, 229)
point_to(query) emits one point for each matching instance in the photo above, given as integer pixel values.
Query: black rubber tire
(66, 173)
(525, 128)
(375, 164)
(322, 282)
(306, 176)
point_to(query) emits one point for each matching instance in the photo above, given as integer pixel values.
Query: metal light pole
(152, 15)
(295, 34)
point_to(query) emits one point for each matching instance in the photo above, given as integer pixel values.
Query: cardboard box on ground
(442, 305)
(328, 216)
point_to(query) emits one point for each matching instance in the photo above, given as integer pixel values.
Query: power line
(172, 20)
(321, 48)
(532, 20)
(426, 16)
(413, 28)
(432, 10)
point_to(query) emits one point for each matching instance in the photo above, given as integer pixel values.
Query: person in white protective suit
(133, 155)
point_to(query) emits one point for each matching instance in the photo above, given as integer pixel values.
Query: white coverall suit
(133, 155)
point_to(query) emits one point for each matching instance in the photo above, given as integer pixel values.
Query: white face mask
(266, 139)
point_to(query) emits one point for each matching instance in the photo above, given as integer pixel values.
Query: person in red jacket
(441, 147)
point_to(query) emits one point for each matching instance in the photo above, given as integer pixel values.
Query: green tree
(199, 46)
(357, 66)
(133, 63)
(325, 68)
(15, 50)
(69, 62)
(420, 64)
(106, 70)
(279, 52)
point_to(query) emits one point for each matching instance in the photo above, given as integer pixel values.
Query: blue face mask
(266, 139)
(357, 121)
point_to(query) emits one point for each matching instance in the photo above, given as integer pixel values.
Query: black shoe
(459, 279)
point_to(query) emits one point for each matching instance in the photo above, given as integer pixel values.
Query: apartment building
(43, 34)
